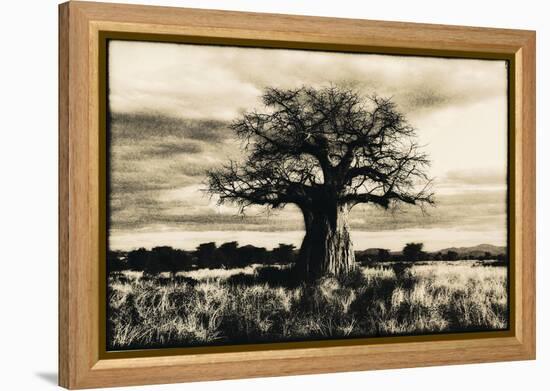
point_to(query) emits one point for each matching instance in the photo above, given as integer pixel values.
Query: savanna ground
(263, 304)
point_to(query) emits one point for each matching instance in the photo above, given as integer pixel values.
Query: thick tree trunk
(327, 248)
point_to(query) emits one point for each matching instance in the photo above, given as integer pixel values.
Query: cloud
(481, 177)
(190, 208)
(151, 152)
(167, 149)
(171, 106)
(139, 126)
(219, 82)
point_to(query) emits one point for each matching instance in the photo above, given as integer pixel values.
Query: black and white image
(263, 195)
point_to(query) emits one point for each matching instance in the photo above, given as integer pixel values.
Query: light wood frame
(81, 363)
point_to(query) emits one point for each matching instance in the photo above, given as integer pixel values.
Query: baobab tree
(324, 150)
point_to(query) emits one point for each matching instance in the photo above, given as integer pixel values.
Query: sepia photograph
(266, 195)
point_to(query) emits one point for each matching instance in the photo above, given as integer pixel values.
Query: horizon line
(218, 244)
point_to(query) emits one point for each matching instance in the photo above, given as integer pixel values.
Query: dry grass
(213, 307)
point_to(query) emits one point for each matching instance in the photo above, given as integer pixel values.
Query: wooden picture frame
(82, 29)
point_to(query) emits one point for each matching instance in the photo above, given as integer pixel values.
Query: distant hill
(475, 250)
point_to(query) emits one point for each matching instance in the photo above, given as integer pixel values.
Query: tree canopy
(310, 143)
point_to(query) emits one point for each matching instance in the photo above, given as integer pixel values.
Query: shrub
(273, 276)
(241, 279)
(354, 279)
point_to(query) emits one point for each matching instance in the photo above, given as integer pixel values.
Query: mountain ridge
(479, 249)
(490, 248)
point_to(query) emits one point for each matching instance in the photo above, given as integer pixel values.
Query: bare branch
(310, 144)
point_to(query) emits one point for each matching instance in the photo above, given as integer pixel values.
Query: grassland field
(264, 304)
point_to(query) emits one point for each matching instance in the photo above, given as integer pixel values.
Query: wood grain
(63, 178)
(528, 186)
(79, 199)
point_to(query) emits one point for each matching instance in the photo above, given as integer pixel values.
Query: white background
(28, 196)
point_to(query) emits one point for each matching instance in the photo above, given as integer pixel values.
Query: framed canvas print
(249, 195)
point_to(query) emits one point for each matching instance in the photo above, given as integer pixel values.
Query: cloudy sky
(170, 109)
